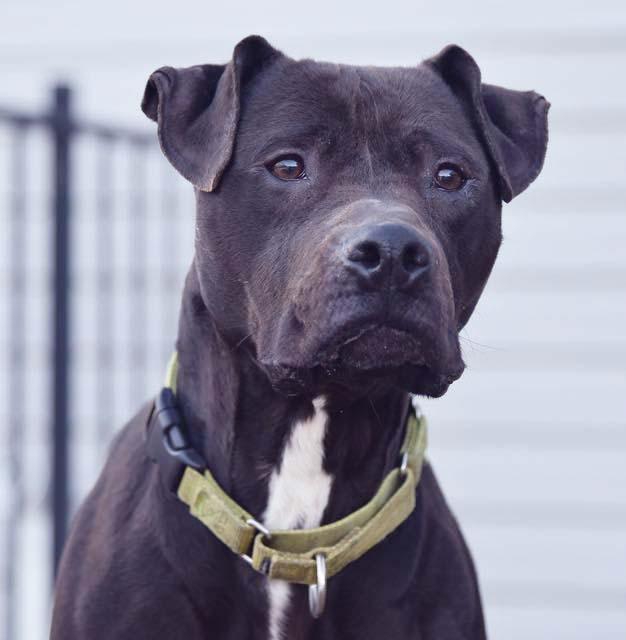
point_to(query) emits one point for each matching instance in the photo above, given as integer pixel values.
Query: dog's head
(348, 217)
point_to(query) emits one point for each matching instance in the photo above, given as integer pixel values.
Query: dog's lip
(418, 379)
(421, 371)
(408, 332)
(423, 339)
(419, 336)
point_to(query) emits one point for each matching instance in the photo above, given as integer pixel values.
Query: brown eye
(449, 177)
(288, 168)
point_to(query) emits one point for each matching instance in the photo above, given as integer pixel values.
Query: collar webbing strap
(290, 555)
(171, 374)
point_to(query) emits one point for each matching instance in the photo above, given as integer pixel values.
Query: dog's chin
(373, 360)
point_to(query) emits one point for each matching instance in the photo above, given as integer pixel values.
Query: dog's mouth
(380, 345)
(373, 356)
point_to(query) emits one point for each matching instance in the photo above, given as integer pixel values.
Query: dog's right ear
(513, 125)
(197, 110)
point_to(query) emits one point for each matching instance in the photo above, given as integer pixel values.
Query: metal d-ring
(317, 592)
(263, 530)
(404, 463)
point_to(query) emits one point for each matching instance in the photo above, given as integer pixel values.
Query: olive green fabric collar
(292, 555)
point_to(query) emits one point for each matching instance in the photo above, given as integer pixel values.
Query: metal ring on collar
(317, 592)
(404, 463)
(262, 529)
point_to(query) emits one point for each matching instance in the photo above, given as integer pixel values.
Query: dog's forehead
(299, 97)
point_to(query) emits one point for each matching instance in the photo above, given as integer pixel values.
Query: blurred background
(530, 445)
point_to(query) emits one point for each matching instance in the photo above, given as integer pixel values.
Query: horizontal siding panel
(560, 78)
(544, 620)
(505, 320)
(574, 198)
(579, 27)
(572, 240)
(584, 280)
(527, 396)
(582, 358)
(557, 597)
(542, 559)
(474, 435)
(545, 477)
(517, 58)
(606, 173)
(568, 517)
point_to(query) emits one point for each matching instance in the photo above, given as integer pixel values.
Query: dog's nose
(389, 253)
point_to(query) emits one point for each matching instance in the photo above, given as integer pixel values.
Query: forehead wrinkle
(364, 108)
(367, 128)
(436, 140)
(289, 136)
(364, 112)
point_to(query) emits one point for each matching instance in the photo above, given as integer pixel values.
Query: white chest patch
(298, 494)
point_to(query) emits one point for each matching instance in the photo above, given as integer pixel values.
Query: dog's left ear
(513, 125)
(197, 110)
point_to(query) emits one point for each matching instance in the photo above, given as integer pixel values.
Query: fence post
(61, 128)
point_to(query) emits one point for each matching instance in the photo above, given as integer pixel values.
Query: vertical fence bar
(137, 307)
(61, 122)
(17, 367)
(105, 303)
(169, 227)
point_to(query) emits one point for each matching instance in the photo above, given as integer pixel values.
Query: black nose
(389, 254)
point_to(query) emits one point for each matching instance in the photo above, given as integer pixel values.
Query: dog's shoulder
(113, 550)
(454, 608)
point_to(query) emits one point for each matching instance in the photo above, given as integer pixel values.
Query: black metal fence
(93, 209)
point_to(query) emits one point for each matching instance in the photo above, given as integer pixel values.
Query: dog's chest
(298, 494)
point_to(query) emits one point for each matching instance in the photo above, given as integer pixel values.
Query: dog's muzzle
(370, 296)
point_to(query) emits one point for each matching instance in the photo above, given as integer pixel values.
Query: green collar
(305, 556)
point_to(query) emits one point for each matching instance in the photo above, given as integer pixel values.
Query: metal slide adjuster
(262, 529)
(317, 592)
(404, 463)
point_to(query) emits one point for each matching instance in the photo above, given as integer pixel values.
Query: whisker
(480, 344)
(241, 342)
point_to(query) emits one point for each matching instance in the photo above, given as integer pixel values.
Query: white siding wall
(530, 446)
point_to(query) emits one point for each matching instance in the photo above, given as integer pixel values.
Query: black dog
(347, 221)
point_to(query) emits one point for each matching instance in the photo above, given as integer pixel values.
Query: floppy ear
(513, 125)
(197, 110)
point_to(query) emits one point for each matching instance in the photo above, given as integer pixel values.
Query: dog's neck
(242, 425)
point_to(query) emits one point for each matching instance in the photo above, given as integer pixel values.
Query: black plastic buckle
(167, 442)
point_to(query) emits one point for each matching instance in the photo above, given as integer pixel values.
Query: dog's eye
(449, 177)
(287, 168)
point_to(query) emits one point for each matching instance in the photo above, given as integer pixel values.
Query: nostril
(414, 258)
(366, 253)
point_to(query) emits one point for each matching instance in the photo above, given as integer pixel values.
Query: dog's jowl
(347, 221)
